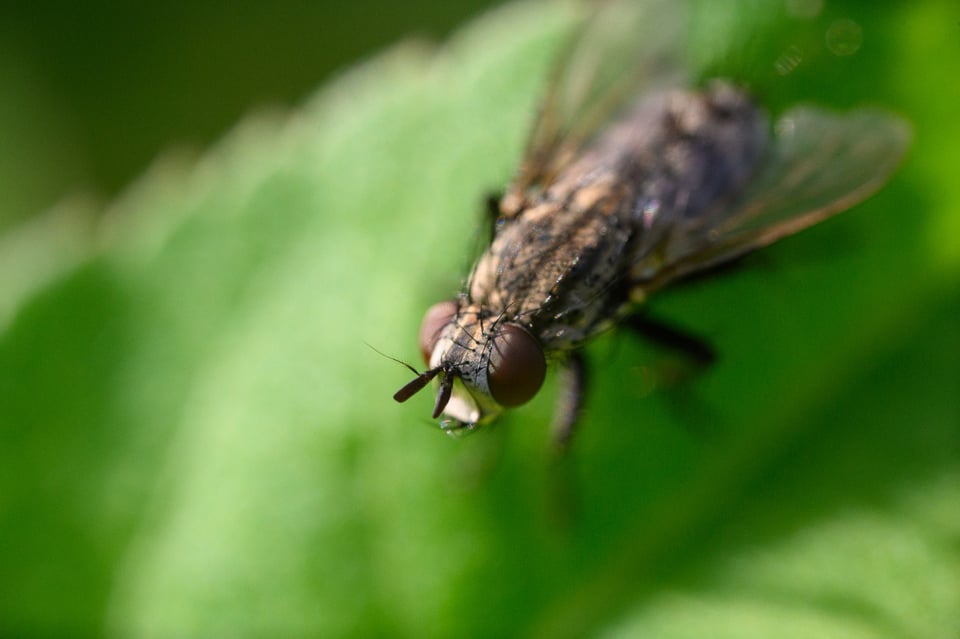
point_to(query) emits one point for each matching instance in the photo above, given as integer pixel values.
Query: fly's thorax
(567, 258)
(557, 266)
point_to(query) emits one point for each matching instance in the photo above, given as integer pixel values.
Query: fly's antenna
(416, 385)
(393, 359)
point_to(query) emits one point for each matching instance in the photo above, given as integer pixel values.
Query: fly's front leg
(491, 209)
(573, 386)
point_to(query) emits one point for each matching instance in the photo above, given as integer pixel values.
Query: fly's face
(483, 363)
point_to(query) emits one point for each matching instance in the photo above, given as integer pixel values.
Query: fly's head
(482, 364)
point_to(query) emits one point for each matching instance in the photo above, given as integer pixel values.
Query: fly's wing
(622, 48)
(820, 164)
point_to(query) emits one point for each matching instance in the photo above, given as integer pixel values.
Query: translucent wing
(820, 164)
(622, 48)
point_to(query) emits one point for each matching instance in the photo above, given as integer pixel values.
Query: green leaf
(195, 439)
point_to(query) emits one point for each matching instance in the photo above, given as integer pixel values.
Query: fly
(619, 196)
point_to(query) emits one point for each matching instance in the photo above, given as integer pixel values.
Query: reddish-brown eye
(437, 316)
(517, 366)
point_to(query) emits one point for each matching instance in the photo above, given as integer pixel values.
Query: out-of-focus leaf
(195, 440)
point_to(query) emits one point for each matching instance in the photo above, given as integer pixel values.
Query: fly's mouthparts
(443, 395)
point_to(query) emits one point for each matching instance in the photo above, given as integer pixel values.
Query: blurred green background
(95, 90)
(203, 222)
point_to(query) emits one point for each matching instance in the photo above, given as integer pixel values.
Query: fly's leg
(695, 356)
(491, 206)
(694, 349)
(563, 504)
(573, 385)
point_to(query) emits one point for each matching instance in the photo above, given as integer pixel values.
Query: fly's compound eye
(436, 317)
(517, 366)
